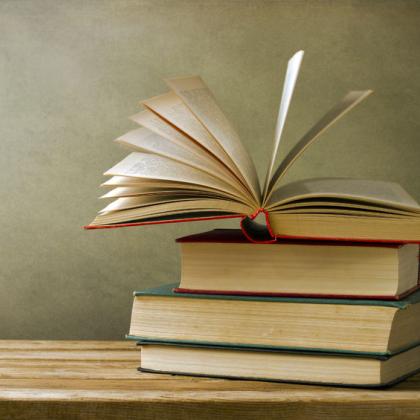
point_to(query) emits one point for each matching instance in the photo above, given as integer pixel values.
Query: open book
(188, 163)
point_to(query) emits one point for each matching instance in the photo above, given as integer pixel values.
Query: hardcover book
(188, 163)
(223, 261)
(362, 327)
(275, 365)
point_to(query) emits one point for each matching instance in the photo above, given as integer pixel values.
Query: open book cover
(188, 163)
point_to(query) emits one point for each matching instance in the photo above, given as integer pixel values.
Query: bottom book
(282, 366)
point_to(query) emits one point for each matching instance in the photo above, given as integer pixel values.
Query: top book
(189, 164)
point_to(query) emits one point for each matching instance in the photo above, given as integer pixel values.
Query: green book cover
(380, 358)
(167, 291)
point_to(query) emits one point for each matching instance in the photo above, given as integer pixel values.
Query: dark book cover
(167, 291)
(382, 358)
(236, 236)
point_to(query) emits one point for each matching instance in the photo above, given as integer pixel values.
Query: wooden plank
(210, 410)
(91, 380)
(32, 345)
(70, 355)
(202, 391)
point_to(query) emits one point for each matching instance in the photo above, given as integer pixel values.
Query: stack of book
(324, 292)
(343, 313)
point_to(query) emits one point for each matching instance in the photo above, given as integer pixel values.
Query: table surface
(99, 380)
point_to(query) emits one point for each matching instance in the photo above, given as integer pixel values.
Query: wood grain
(98, 380)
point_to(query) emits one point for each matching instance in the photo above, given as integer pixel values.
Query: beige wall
(71, 72)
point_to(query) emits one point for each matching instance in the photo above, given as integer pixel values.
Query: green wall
(71, 72)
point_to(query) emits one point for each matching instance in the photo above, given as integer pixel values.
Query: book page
(292, 72)
(195, 94)
(339, 110)
(131, 191)
(171, 108)
(144, 165)
(142, 183)
(144, 140)
(140, 215)
(124, 203)
(342, 211)
(159, 126)
(193, 208)
(135, 191)
(127, 181)
(380, 193)
(342, 203)
(118, 180)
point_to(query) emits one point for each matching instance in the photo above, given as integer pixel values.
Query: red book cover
(238, 236)
(253, 231)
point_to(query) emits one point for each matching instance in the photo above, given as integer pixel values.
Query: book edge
(168, 292)
(267, 348)
(182, 290)
(216, 236)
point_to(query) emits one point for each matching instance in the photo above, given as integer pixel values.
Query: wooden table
(98, 380)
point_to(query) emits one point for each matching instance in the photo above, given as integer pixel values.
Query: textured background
(71, 72)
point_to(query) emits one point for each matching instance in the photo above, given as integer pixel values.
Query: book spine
(256, 232)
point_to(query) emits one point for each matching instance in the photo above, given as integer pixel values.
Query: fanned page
(176, 140)
(144, 140)
(177, 200)
(198, 98)
(134, 187)
(166, 189)
(153, 167)
(171, 108)
(292, 72)
(130, 181)
(181, 189)
(343, 193)
(141, 209)
(339, 110)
